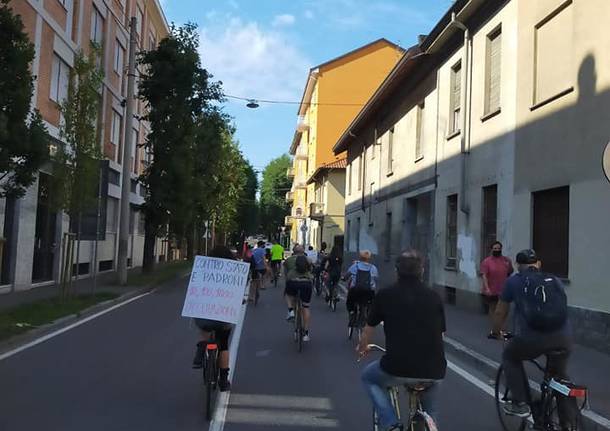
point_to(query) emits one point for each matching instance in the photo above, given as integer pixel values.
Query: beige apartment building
(59, 29)
(334, 93)
(493, 127)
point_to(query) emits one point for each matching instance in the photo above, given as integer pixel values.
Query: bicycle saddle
(417, 387)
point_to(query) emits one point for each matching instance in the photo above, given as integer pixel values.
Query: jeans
(530, 346)
(376, 381)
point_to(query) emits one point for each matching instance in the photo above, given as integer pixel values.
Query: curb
(594, 421)
(21, 339)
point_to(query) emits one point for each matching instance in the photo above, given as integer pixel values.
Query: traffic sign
(606, 161)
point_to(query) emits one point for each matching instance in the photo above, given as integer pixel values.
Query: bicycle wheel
(509, 422)
(333, 303)
(257, 295)
(299, 329)
(375, 420)
(210, 377)
(566, 416)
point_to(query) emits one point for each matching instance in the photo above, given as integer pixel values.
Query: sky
(263, 49)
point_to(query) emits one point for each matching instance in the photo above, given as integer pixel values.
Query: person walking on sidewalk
(541, 326)
(413, 322)
(222, 332)
(495, 270)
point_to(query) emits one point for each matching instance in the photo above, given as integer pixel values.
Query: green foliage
(275, 184)
(76, 164)
(178, 92)
(247, 213)
(23, 137)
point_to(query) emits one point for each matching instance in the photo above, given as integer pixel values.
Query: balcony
(289, 196)
(290, 173)
(316, 210)
(302, 124)
(288, 221)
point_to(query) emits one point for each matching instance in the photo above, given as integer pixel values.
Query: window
(358, 234)
(489, 219)
(349, 179)
(419, 131)
(60, 79)
(451, 232)
(112, 214)
(553, 62)
(456, 100)
(141, 222)
(552, 229)
(114, 177)
(139, 21)
(390, 150)
(493, 72)
(360, 170)
(97, 26)
(134, 147)
(388, 235)
(119, 56)
(371, 198)
(152, 41)
(115, 135)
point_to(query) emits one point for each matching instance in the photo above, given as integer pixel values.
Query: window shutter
(495, 62)
(457, 87)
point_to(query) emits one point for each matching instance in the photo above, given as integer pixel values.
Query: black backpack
(544, 303)
(363, 279)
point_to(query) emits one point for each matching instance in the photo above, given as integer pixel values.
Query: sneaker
(198, 359)
(519, 409)
(290, 315)
(397, 427)
(306, 336)
(223, 381)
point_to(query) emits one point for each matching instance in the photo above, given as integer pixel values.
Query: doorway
(418, 232)
(45, 242)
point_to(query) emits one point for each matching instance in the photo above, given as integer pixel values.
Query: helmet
(528, 256)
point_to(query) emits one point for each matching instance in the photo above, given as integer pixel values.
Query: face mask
(496, 253)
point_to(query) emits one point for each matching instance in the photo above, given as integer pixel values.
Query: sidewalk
(105, 283)
(587, 367)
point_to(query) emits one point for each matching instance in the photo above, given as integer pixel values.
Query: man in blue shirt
(530, 341)
(260, 267)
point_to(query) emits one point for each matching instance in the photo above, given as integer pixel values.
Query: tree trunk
(148, 259)
(190, 242)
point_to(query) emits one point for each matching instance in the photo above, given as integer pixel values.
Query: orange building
(334, 93)
(59, 29)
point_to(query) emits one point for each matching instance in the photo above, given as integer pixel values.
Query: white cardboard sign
(216, 289)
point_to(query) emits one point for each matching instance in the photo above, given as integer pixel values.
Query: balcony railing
(302, 124)
(316, 210)
(289, 196)
(290, 173)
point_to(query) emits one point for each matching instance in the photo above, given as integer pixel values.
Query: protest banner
(216, 289)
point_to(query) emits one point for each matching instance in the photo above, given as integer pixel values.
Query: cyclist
(222, 331)
(291, 273)
(319, 264)
(312, 255)
(541, 325)
(260, 267)
(333, 268)
(277, 256)
(361, 281)
(413, 322)
(301, 285)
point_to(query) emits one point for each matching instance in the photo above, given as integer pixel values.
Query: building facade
(33, 231)
(334, 93)
(492, 128)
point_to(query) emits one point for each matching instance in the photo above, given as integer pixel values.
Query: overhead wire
(290, 102)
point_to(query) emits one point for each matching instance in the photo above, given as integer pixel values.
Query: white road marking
(67, 328)
(262, 353)
(222, 401)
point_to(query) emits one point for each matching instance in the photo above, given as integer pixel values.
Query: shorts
(300, 288)
(258, 273)
(222, 331)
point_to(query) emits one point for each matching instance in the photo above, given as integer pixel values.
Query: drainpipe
(465, 135)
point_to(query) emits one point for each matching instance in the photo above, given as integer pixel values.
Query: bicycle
(317, 282)
(418, 419)
(358, 320)
(332, 294)
(299, 331)
(210, 375)
(555, 395)
(275, 266)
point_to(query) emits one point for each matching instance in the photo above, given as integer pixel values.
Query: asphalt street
(130, 370)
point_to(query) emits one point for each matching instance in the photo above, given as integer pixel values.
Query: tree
(23, 137)
(76, 165)
(178, 92)
(275, 184)
(247, 212)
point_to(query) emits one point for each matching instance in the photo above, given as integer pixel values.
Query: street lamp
(252, 104)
